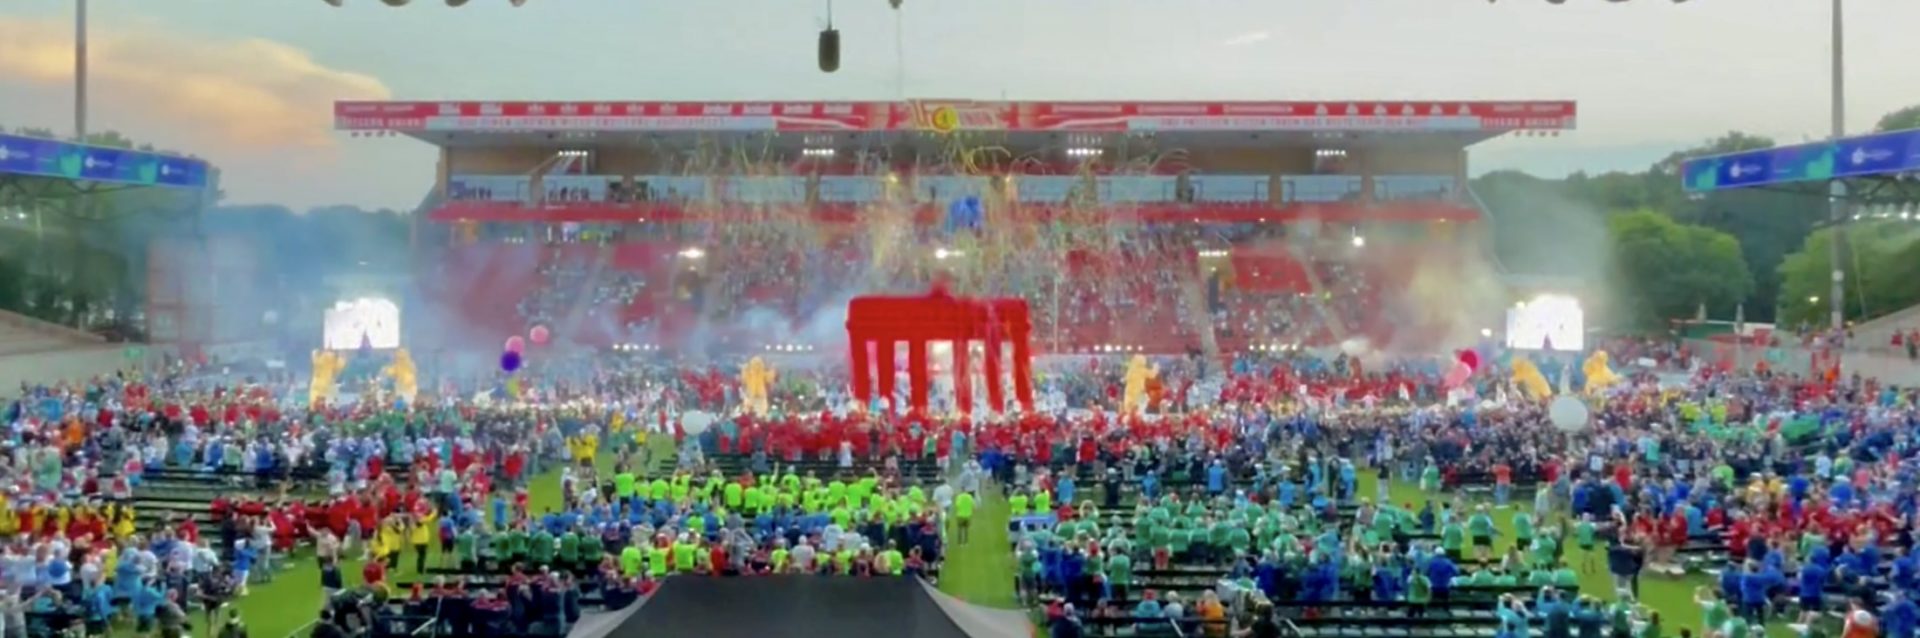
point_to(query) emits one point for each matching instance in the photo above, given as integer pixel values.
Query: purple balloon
(509, 361)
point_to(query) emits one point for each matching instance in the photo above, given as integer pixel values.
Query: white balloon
(695, 421)
(1568, 413)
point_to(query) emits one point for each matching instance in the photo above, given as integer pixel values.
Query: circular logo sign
(944, 119)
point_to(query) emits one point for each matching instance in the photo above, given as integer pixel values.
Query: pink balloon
(1456, 375)
(516, 345)
(538, 335)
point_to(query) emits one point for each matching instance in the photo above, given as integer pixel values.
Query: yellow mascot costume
(1531, 382)
(401, 371)
(1138, 374)
(754, 379)
(1599, 374)
(326, 365)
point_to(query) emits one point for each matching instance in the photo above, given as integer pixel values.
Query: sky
(249, 84)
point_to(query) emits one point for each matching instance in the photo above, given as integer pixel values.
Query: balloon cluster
(513, 355)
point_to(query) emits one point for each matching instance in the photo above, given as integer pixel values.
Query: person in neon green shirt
(657, 558)
(1017, 504)
(630, 561)
(684, 554)
(623, 485)
(733, 495)
(891, 561)
(962, 515)
(778, 558)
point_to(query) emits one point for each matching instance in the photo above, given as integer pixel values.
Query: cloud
(234, 94)
(1247, 38)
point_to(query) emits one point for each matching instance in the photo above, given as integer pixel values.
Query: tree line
(1761, 254)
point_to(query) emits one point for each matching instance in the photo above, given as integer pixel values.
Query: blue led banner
(1879, 154)
(42, 157)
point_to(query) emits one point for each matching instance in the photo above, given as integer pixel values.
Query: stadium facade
(1130, 226)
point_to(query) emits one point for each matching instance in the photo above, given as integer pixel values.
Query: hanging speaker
(829, 50)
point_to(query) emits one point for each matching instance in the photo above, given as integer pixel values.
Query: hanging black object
(829, 50)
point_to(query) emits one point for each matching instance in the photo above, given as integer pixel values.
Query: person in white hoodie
(803, 557)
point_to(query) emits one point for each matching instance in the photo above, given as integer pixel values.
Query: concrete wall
(63, 365)
(1888, 367)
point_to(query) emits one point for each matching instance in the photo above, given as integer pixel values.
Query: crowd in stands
(1152, 290)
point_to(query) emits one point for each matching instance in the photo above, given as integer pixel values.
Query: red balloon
(1469, 357)
(539, 335)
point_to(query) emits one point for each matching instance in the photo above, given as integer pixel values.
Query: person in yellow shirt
(123, 523)
(388, 542)
(424, 529)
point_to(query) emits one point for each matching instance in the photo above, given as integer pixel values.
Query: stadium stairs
(20, 334)
(1878, 332)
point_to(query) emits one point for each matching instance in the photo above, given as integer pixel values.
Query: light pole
(80, 71)
(1836, 189)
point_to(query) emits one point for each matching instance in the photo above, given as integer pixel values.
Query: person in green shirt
(466, 549)
(778, 559)
(631, 561)
(1481, 526)
(568, 558)
(1713, 611)
(623, 485)
(1430, 478)
(592, 550)
(540, 548)
(1453, 539)
(1419, 593)
(500, 549)
(657, 561)
(892, 563)
(517, 544)
(684, 555)
(1017, 504)
(1522, 528)
(658, 489)
(1043, 502)
(733, 495)
(962, 516)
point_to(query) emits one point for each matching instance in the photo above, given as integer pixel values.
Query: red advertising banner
(952, 115)
(610, 116)
(1273, 116)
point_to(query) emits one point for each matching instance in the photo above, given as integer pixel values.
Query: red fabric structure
(939, 316)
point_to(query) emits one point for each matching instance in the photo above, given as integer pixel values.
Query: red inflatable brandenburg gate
(939, 316)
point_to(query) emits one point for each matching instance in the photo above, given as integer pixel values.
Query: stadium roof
(514, 123)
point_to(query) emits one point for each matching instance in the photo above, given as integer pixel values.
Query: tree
(1900, 120)
(1665, 269)
(1883, 262)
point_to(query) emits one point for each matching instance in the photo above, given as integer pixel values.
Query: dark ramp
(789, 606)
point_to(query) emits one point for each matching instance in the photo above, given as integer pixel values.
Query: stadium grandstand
(1248, 225)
